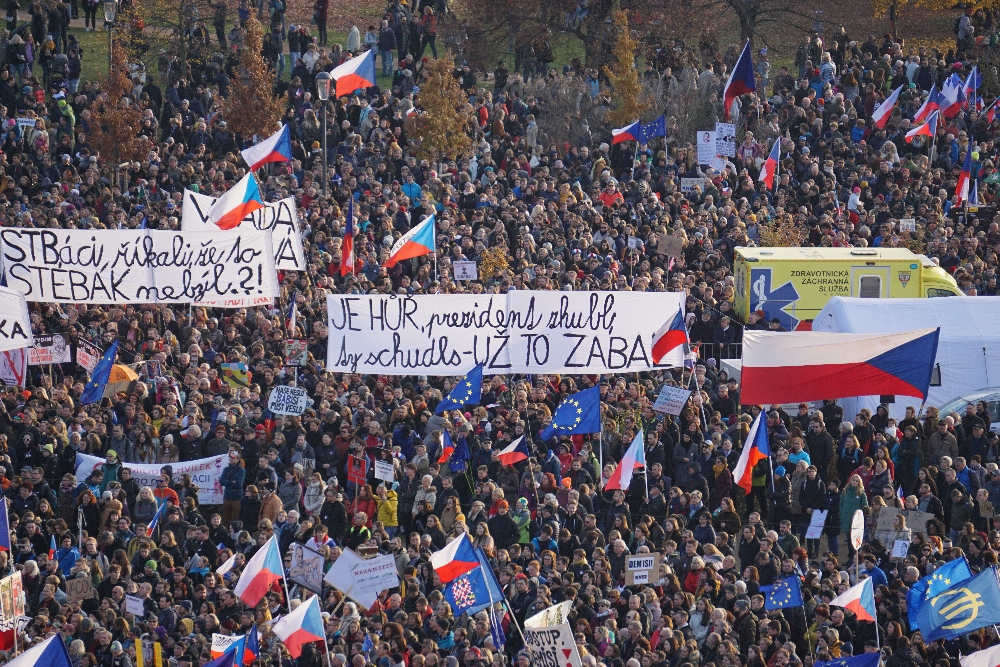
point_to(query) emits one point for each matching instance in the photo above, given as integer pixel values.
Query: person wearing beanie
(111, 470)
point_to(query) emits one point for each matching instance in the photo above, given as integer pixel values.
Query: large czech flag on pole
(671, 336)
(756, 448)
(800, 366)
(742, 80)
(240, 201)
(276, 148)
(261, 571)
(627, 133)
(421, 240)
(859, 598)
(928, 129)
(769, 170)
(302, 626)
(964, 176)
(455, 559)
(355, 73)
(635, 457)
(882, 115)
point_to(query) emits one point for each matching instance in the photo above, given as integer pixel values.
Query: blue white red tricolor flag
(672, 335)
(928, 129)
(964, 177)
(356, 73)
(769, 170)
(931, 104)
(347, 248)
(300, 627)
(881, 115)
(627, 133)
(800, 366)
(755, 449)
(276, 148)
(421, 240)
(860, 599)
(237, 203)
(742, 80)
(635, 457)
(260, 572)
(455, 559)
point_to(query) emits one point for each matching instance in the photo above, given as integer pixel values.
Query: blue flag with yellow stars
(579, 413)
(945, 576)
(863, 660)
(783, 593)
(961, 608)
(94, 391)
(468, 390)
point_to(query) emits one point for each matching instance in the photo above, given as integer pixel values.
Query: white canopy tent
(968, 350)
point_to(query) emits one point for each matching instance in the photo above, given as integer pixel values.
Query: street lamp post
(323, 80)
(110, 13)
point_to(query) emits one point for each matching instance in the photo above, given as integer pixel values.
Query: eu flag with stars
(579, 413)
(460, 457)
(94, 391)
(863, 660)
(961, 608)
(783, 593)
(474, 591)
(947, 575)
(647, 131)
(468, 390)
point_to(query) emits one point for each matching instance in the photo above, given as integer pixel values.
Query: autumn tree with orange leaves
(116, 117)
(252, 107)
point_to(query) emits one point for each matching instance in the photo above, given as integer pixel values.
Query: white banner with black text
(226, 269)
(518, 332)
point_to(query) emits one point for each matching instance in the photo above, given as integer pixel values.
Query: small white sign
(907, 224)
(133, 605)
(816, 522)
(689, 184)
(671, 400)
(385, 471)
(706, 147)
(286, 400)
(465, 270)
(725, 139)
(640, 577)
(857, 529)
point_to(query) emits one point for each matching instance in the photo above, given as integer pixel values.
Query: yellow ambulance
(794, 284)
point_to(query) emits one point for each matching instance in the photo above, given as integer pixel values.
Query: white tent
(968, 350)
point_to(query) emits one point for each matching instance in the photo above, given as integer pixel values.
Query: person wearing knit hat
(151, 564)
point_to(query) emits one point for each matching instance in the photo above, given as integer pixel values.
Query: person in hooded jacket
(780, 495)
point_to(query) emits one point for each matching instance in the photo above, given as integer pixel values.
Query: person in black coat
(503, 528)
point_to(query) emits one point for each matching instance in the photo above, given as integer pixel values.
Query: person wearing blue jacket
(67, 555)
(233, 477)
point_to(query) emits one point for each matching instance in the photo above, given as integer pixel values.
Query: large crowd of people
(567, 217)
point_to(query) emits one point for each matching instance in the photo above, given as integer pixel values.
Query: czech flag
(4, 526)
(223, 644)
(240, 201)
(514, 452)
(635, 457)
(252, 648)
(355, 73)
(928, 129)
(769, 170)
(276, 148)
(859, 598)
(302, 626)
(52, 653)
(261, 571)
(347, 248)
(952, 96)
(742, 80)
(930, 105)
(672, 335)
(992, 112)
(964, 176)
(156, 520)
(802, 366)
(755, 449)
(627, 133)
(52, 547)
(883, 113)
(447, 447)
(455, 559)
(421, 240)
